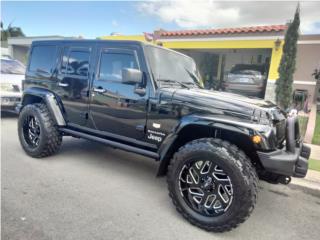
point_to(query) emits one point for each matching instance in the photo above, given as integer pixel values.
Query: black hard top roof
(84, 41)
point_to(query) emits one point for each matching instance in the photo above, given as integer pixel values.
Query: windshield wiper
(173, 81)
(194, 77)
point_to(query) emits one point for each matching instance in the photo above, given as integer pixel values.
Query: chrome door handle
(63, 84)
(99, 90)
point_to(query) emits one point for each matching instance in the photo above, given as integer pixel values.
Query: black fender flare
(49, 98)
(218, 124)
(292, 134)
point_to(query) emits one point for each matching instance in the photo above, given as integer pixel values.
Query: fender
(243, 128)
(49, 98)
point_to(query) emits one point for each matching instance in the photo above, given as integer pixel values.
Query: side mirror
(131, 75)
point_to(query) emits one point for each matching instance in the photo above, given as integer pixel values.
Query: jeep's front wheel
(212, 184)
(38, 134)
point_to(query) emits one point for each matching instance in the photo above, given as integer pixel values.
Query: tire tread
(247, 171)
(53, 138)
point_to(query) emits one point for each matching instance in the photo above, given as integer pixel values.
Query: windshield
(12, 67)
(169, 67)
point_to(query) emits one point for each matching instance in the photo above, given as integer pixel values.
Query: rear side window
(42, 59)
(78, 63)
(112, 63)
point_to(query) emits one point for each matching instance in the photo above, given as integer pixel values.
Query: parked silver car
(12, 75)
(246, 79)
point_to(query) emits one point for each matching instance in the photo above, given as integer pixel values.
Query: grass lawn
(303, 122)
(316, 134)
(314, 164)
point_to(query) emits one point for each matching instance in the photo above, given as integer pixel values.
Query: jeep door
(116, 107)
(73, 82)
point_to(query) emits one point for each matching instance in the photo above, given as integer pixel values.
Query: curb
(310, 184)
(306, 189)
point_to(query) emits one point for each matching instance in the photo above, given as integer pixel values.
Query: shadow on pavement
(8, 115)
(101, 156)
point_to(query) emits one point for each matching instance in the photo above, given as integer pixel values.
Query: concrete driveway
(90, 191)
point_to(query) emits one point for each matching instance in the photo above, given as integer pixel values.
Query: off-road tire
(239, 169)
(50, 137)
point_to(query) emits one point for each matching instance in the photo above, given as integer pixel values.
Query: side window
(78, 64)
(112, 63)
(43, 59)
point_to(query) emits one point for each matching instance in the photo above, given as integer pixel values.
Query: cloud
(186, 15)
(211, 14)
(114, 23)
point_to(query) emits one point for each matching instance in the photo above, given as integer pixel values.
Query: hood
(12, 78)
(224, 101)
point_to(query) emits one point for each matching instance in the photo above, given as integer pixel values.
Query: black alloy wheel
(38, 133)
(31, 131)
(213, 184)
(206, 188)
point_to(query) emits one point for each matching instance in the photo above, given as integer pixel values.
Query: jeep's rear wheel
(212, 184)
(38, 134)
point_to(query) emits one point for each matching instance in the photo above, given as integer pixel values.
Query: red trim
(256, 29)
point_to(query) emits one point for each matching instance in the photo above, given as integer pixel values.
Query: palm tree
(10, 31)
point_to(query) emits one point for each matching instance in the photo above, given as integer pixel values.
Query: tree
(10, 31)
(288, 63)
(316, 74)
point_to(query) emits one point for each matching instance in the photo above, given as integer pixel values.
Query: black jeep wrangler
(149, 100)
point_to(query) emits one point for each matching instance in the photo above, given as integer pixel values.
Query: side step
(112, 143)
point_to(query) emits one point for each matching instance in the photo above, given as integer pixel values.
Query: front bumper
(287, 163)
(292, 160)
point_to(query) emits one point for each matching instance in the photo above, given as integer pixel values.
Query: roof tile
(254, 29)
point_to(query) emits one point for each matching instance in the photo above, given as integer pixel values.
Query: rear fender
(34, 94)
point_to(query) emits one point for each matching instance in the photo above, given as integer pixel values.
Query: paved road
(90, 191)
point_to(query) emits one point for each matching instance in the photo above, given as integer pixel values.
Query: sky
(95, 19)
